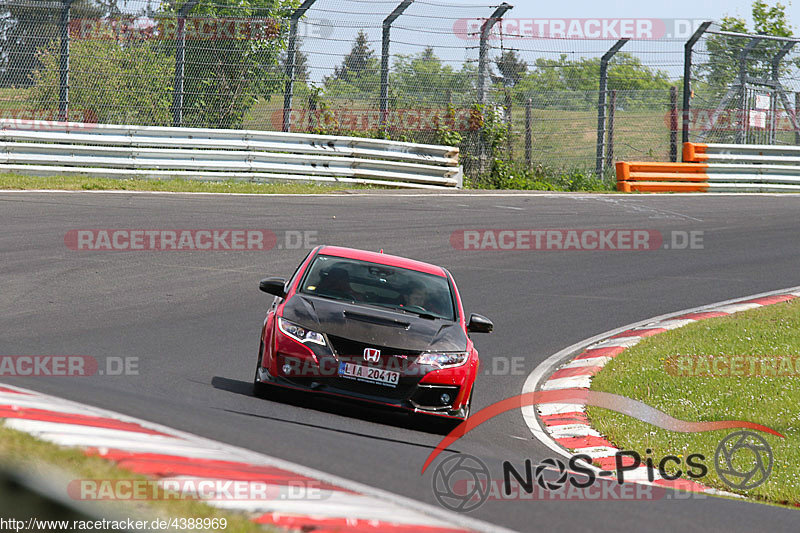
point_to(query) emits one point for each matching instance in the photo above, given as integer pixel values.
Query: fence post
(483, 53)
(687, 76)
(510, 125)
(612, 108)
(601, 105)
(63, 88)
(180, 54)
(387, 28)
(528, 133)
(778, 90)
(291, 57)
(796, 107)
(673, 124)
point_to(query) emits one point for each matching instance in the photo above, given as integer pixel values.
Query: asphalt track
(193, 318)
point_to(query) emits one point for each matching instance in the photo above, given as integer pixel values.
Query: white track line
(538, 377)
(433, 193)
(368, 503)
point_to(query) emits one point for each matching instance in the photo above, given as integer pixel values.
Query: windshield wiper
(423, 314)
(419, 313)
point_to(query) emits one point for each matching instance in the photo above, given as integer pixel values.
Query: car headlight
(442, 359)
(299, 333)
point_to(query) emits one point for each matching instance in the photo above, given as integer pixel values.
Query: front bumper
(416, 398)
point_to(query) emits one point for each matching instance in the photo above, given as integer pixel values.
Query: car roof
(383, 259)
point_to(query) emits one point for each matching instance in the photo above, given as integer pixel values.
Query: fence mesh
(745, 89)
(560, 81)
(223, 64)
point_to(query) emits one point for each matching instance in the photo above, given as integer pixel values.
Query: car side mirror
(274, 286)
(479, 324)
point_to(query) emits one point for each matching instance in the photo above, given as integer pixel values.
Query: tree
(359, 63)
(225, 75)
(231, 58)
(358, 77)
(109, 83)
(723, 65)
(512, 68)
(423, 79)
(301, 73)
(31, 25)
(573, 84)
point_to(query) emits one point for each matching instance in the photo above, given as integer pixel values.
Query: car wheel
(469, 403)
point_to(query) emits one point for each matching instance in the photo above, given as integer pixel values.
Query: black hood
(375, 326)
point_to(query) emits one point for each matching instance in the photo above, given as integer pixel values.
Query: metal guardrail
(741, 153)
(121, 151)
(747, 167)
(717, 168)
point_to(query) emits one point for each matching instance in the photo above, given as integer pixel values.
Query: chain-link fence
(541, 98)
(744, 89)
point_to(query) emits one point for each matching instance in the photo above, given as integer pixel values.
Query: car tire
(260, 390)
(469, 403)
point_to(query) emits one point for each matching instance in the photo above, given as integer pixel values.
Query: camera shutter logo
(461, 471)
(743, 460)
(551, 464)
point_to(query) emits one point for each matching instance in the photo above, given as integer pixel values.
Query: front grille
(348, 347)
(395, 359)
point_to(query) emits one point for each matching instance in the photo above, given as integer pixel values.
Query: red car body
(370, 342)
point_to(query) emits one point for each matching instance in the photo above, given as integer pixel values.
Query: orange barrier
(694, 152)
(661, 177)
(717, 168)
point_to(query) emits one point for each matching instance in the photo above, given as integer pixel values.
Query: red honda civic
(370, 327)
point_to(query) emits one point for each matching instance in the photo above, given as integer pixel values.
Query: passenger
(437, 304)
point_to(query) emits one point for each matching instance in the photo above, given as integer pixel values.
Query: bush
(505, 175)
(110, 83)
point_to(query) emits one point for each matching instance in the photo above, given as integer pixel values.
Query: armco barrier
(717, 168)
(661, 177)
(118, 151)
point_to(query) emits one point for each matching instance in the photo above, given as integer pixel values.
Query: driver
(337, 282)
(417, 297)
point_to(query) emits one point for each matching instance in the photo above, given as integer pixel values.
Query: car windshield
(367, 283)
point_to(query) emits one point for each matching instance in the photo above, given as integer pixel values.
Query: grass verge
(21, 449)
(85, 183)
(650, 372)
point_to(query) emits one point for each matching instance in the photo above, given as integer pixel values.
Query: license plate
(369, 374)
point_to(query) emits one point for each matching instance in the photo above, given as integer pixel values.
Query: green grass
(562, 140)
(640, 373)
(21, 449)
(14, 100)
(84, 183)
